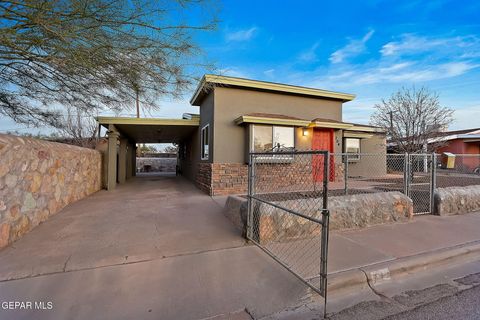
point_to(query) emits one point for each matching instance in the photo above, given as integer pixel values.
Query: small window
(205, 142)
(352, 147)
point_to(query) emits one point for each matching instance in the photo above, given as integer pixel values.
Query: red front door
(322, 140)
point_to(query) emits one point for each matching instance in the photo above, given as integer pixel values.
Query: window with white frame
(351, 146)
(268, 138)
(204, 138)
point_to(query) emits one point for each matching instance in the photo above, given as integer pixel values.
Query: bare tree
(96, 54)
(171, 149)
(78, 128)
(413, 119)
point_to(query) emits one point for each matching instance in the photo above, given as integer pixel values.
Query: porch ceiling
(151, 130)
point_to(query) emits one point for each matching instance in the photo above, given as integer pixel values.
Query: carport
(124, 133)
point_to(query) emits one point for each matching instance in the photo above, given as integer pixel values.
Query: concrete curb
(364, 277)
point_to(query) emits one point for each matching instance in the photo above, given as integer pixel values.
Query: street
(463, 305)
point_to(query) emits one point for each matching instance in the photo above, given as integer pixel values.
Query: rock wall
(156, 164)
(38, 178)
(456, 200)
(346, 212)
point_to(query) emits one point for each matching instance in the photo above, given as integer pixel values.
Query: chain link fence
(457, 170)
(416, 175)
(288, 216)
(288, 193)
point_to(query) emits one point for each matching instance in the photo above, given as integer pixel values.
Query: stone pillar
(129, 160)
(112, 159)
(122, 161)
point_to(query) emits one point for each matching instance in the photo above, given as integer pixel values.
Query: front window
(273, 138)
(352, 148)
(204, 140)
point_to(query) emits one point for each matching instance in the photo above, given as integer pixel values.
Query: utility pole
(137, 103)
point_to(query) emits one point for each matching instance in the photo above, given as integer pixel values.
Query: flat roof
(210, 80)
(151, 130)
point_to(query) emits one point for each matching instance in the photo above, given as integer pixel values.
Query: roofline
(306, 123)
(148, 121)
(264, 85)
(345, 126)
(272, 120)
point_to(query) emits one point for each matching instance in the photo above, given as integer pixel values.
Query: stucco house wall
(373, 164)
(230, 103)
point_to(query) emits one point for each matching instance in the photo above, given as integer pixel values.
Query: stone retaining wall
(38, 178)
(456, 200)
(156, 164)
(346, 212)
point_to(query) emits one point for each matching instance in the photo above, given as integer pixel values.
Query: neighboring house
(237, 116)
(462, 142)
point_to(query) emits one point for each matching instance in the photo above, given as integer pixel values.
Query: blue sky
(370, 48)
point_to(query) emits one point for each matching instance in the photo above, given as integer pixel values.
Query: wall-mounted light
(305, 132)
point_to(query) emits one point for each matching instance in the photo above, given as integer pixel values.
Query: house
(461, 142)
(237, 116)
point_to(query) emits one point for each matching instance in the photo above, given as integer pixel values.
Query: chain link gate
(287, 212)
(419, 178)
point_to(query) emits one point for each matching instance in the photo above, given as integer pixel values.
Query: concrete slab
(147, 218)
(193, 286)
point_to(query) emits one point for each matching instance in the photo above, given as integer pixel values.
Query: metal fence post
(250, 193)
(433, 182)
(324, 237)
(345, 173)
(406, 173)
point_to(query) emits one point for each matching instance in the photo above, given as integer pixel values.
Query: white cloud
(465, 118)
(269, 72)
(413, 72)
(413, 44)
(241, 35)
(353, 48)
(233, 72)
(310, 54)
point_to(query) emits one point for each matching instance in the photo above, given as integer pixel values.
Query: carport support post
(112, 159)
(129, 160)
(122, 161)
(134, 159)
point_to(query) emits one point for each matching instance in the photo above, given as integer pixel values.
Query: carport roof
(151, 130)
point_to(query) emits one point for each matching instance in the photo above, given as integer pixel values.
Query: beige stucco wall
(374, 162)
(229, 138)
(38, 178)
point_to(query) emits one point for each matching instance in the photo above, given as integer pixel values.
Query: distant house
(462, 142)
(237, 116)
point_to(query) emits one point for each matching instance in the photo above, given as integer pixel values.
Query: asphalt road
(463, 305)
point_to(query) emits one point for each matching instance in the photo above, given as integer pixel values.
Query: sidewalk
(358, 248)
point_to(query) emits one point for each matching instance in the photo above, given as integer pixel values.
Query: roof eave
(277, 121)
(262, 85)
(147, 121)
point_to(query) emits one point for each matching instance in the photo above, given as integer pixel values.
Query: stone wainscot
(346, 212)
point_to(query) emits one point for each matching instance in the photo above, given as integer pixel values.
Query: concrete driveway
(156, 247)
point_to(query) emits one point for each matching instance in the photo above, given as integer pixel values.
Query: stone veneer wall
(456, 200)
(157, 164)
(203, 179)
(346, 212)
(38, 178)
